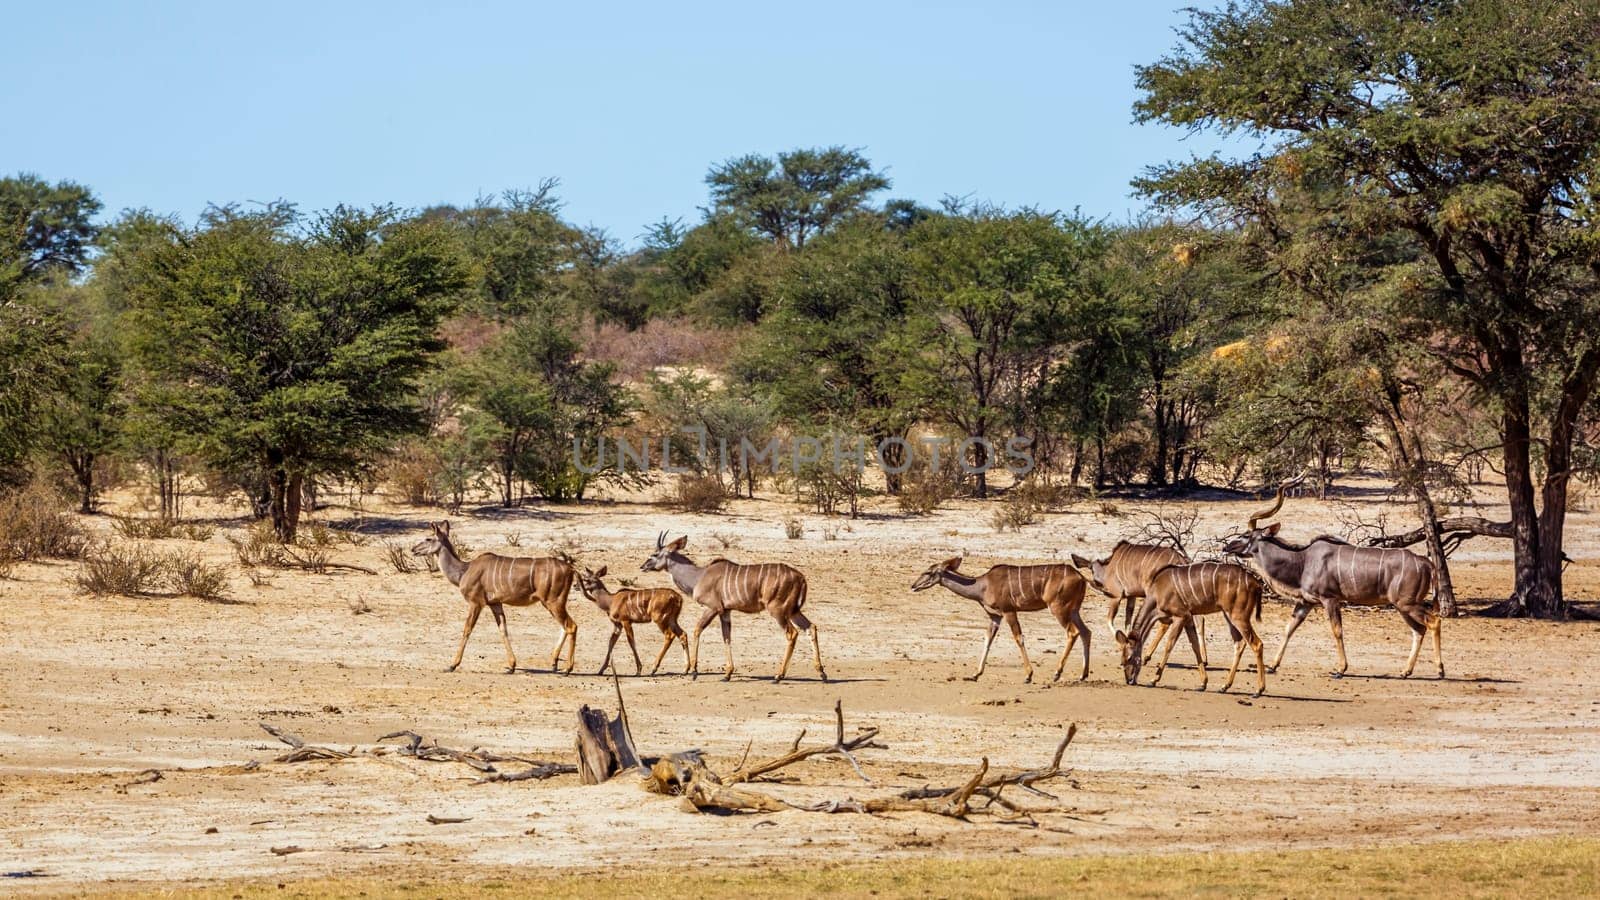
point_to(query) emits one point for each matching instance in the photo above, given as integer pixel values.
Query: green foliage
(536, 405)
(997, 293)
(796, 196)
(45, 229)
(33, 352)
(713, 428)
(297, 353)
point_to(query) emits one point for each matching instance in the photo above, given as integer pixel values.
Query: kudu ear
(1079, 561)
(1272, 530)
(444, 528)
(601, 573)
(1122, 638)
(679, 544)
(951, 564)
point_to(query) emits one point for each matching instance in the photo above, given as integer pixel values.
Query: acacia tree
(796, 196)
(295, 353)
(44, 228)
(1470, 128)
(829, 349)
(994, 302)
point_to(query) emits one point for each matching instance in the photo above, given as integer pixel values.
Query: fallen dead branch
(447, 820)
(148, 776)
(839, 747)
(538, 773)
(301, 751)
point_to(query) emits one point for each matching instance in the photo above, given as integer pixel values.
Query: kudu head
(658, 560)
(1132, 649)
(1245, 544)
(589, 582)
(931, 577)
(431, 546)
(1095, 569)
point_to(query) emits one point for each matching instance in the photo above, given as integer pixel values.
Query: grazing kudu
(1335, 574)
(724, 588)
(499, 581)
(1183, 592)
(625, 608)
(1004, 591)
(1122, 577)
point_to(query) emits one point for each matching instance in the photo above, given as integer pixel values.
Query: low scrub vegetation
(700, 493)
(137, 570)
(34, 526)
(160, 529)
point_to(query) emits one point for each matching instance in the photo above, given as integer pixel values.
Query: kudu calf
(1123, 576)
(499, 581)
(1181, 593)
(1334, 574)
(724, 587)
(1004, 591)
(626, 608)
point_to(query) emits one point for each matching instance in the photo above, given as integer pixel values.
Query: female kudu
(625, 608)
(1123, 575)
(1182, 592)
(499, 581)
(1004, 591)
(724, 587)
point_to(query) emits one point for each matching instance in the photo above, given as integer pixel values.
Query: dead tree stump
(604, 746)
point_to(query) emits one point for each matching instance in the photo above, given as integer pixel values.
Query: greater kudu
(1004, 591)
(1334, 574)
(1123, 575)
(1183, 592)
(498, 581)
(628, 607)
(724, 587)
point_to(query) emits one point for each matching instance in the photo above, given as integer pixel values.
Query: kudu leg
(1174, 629)
(727, 643)
(1418, 631)
(611, 645)
(466, 631)
(805, 624)
(1336, 625)
(1072, 621)
(1435, 623)
(983, 658)
(505, 636)
(694, 654)
(791, 634)
(1155, 642)
(667, 637)
(638, 664)
(1194, 644)
(1301, 610)
(1016, 635)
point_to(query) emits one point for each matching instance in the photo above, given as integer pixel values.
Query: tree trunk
(286, 496)
(83, 472)
(1537, 568)
(1158, 465)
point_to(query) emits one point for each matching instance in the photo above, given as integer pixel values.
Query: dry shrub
(135, 570)
(660, 342)
(400, 558)
(700, 493)
(1047, 495)
(258, 547)
(126, 570)
(410, 470)
(924, 489)
(1015, 511)
(33, 525)
(793, 529)
(191, 576)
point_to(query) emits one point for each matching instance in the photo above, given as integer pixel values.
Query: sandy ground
(98, 689)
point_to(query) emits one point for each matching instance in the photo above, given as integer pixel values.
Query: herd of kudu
(1176, 592)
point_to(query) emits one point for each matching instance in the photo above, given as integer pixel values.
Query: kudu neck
(601, 597)
(450, 563)
(962, 585)
(685, 574)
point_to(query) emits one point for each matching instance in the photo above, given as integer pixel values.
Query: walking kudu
(626, 608)
(725, 587)
(1004, 591)
(499, 581)
(1334, 574)
(1122, 576)
(1183, 592)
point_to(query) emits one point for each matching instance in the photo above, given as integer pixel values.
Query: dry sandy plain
(97, 690)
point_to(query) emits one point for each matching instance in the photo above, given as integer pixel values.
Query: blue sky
(175, 105)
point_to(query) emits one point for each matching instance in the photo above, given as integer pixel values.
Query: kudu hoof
(449, 669)
(1272, 670)
(1335, 674)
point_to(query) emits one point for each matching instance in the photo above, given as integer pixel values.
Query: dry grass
(1528, 868)
(155, 528)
